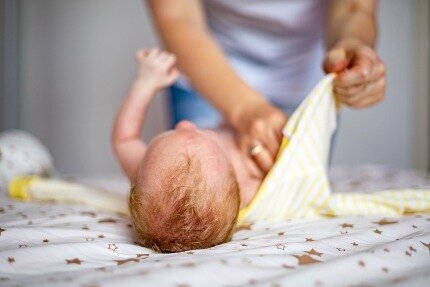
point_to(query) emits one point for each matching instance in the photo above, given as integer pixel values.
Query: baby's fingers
(141, 53)
(172, 76)
(169, 62)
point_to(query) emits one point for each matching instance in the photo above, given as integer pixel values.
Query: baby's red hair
(184, 213)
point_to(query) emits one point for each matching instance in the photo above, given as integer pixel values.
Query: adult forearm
(351, 20)
(202, 61)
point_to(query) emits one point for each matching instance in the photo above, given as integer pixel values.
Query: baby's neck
(248, 184)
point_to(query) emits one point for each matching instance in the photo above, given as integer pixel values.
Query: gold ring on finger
(256, 149)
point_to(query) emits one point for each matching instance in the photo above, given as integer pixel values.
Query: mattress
(67, 245)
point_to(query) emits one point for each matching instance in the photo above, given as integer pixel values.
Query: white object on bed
(22, 154)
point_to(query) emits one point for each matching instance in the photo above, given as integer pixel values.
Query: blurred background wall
(76, 60)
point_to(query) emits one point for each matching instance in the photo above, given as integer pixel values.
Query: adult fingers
(262, 157)
(267, 130)
(244, 143)
(373, 96)
(378, 72)
(360, 69)
(350, 91)
(373, 93)
(335, 61)
(262, 133)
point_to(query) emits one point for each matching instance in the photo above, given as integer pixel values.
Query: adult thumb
(335, 61)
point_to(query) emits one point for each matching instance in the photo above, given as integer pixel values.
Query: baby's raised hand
(156, 69)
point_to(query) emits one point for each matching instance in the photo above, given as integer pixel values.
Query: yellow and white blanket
(297, 186)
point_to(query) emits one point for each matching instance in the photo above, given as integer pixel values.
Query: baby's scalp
(176, 210)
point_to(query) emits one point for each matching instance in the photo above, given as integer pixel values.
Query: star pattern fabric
(65, 240)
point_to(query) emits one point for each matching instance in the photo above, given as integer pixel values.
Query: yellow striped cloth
(297, 186)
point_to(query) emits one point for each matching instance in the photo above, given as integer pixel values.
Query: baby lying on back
(187, 184)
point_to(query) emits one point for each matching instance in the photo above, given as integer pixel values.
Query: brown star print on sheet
(112, 246)
(314, 252)
(88, 213)
(74, 261)
(305, 259)
(309, 239)
(107, 220)
(354, 244)
(100, 236)
(11, 260)
(45, 241)
(385, 221)
(280, 246)
(121, 262)
(377, 231)
(142, 255)
(2, 230)
(347, 225)
(426, 245)
(361, 263)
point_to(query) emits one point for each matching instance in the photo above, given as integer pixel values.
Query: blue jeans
(187, 104)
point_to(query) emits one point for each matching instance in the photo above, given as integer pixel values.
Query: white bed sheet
(58, 245)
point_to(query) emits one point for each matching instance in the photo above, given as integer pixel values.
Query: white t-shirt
(276, 46)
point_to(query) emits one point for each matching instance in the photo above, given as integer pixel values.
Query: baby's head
(185, 195)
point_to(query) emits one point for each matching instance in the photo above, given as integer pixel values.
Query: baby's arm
(156, 70)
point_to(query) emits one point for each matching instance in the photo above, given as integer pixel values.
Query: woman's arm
(182, 27)
(351, 33)
(351, 19)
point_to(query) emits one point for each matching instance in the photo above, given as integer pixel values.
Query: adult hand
(259, 128)
(360, 80)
